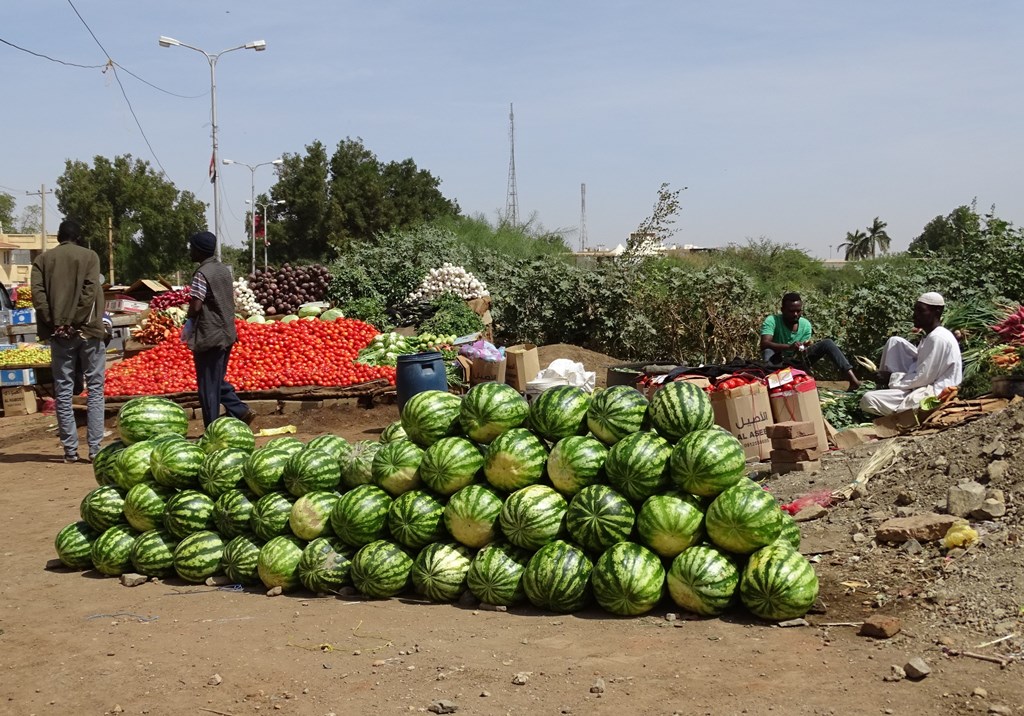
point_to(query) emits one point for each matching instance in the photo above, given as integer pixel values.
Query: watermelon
(152, 553)
(742, 520)
(263, 470)
(396, 465)
(431, 415)
(489, 409)
(533, 516)
(187, 512)
(227, 432)
(324, 566)
(439, 571)
(198, 556)
(471, 515)
(557, 577)
(360, 516)
(222, 470)
(637, 465)
(240, 558)
(450, 464)
(598, 517)
(790, 533)
(309, 471)
(670, 523)
(103, 462)
(286, 443)
(778, 583)
(232, 512)
(144, 505)
(495, 574)
(357, 468)
(415, 519)
(147, 417)
(270, 515)
(616, 412)
(559, 412)
(103, 507)
(515, 459)
(176, 463)
(627, 579)
(337, 446)
(392, 432)
(74, 545)
(132, 465)
(380, 569)
(311, 515)
(703, 580)
(278, 562)
(111, 551)
(679, 408)
(705, 462)
(576, 462)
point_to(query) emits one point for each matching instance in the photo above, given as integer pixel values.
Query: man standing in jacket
(210, 330)
(68, 298)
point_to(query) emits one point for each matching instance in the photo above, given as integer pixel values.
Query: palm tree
(877, 238)
(856, 245)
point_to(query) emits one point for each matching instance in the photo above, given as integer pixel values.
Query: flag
(258, 221)
(213, 168)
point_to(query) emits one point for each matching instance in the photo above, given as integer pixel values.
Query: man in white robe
(917, 372)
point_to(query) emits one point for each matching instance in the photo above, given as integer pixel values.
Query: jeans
(89, 354)
(214, 390)
(824, 347)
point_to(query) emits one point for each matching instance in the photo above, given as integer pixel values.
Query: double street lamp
(259, 46)
(252, 198)
(266, 227)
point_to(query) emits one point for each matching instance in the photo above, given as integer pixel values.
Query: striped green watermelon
(147, 417)
(496, 572)
(703, 580)
(324, 566)
(678, 409)
(515, 459)
(311, 515)
(337, 446)
(559, 412)
(270, 515)
(380, 569)
(240, 558)
(742, 520)
(263, 470)
(152, 553)
(144, 505)
(286, 443)
(450, 464)
(628, 579)
(396, 466)
(232, 512)
(439, 571)
(576, 462)
(471, 515)
(74, 545)
(187, 512)
(616, 412)
(790, 533)
(705, 462)
(489, 409)
(103, 462)
(431, 415)
(392, 432)
(198, 556)
(227, 432)
(415, 519)
(111, 551)
(222, 470)
(670, 523)
(357, 468)
(598, 517)
(103, 507)
(278, 562)
(533, 516)
(778, 583)
(557, 577)
(176, 464)
(309, 471)
(132, 465)
(360, 516)
(637, 465)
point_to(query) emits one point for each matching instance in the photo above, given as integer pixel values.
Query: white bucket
(539, 385)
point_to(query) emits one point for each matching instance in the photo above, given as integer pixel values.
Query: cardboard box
(484, 371)
(23, 316)
(800, 403)
(122, 305)
(19, 401)
(521, 365)
(746, 413)
(21, 376)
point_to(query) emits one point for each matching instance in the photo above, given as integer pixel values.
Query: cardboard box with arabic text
(746, 413)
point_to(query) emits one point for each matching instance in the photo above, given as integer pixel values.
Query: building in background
(17, 252)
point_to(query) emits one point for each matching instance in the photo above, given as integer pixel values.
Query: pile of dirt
(591, 360)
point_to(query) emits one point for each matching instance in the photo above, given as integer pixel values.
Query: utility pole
(42, 214)
(512, 195)
(110, 248)
(583, 217)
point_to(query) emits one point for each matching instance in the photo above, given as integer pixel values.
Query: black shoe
(248, 417)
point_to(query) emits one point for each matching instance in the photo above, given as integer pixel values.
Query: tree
(878, 238)
(955, 231)
(657, 228)
(7, 206)
(856, 246)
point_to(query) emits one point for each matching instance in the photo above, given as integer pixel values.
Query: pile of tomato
(267, 355)
(736, 381)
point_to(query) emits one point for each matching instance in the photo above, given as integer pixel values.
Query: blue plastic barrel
(419, 372)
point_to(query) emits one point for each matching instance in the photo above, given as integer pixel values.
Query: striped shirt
(199, 286)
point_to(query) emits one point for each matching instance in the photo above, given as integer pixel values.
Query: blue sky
(793, 121)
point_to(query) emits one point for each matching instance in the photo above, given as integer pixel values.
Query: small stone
(671, 617)
(917, 668)
(220, 581)
(928, 527)
(378, 663)
(880, 627)
(911, 546)
(215, 680)
(485, 694)
(443, 707)
(945, 641)
(996, 470)
(484, 606)
(896, 673)
(357, 652)
(598, 687)
(521, 678)
(117, 709)
(990, 509)
(980, 693)
(327, 666)
(905, 497)
(130, 579)
(275, 592)
(860, 538)
(905, 511)
(798, 622)
(965, 498)
(1000, 710)
(811, 512)
(994, 448)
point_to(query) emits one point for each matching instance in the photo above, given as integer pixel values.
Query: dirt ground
(76, 642)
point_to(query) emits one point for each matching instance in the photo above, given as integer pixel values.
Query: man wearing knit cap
(210, 330)
(917, 372)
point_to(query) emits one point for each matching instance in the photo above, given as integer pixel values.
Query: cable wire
(51, 59)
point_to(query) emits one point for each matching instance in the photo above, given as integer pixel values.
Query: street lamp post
(266, 225)
(259, 46)
(252, 198)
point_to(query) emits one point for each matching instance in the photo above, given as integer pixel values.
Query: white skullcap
(932, 298)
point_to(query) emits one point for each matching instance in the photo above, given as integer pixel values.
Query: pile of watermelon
(572, 498)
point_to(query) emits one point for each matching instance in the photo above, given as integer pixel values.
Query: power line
(51, 59)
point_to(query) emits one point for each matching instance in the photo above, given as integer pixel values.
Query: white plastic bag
(569, 372)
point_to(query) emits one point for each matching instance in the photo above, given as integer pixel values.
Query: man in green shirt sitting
(787, 336)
